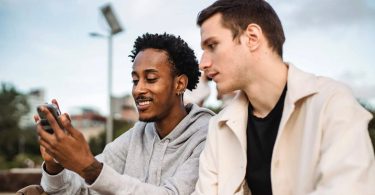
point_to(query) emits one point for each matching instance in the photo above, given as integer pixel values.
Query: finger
(67, 116)
(53, 155)
(36, 118)
(59, 133)
(50, 154)
(45, 145)
(42, 149)
(66, 122)
(49, 151)
(43, 134)
(54, 101)
(44, 153)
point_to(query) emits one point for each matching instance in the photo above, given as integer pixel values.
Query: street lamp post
(115, 28)
(109, 124)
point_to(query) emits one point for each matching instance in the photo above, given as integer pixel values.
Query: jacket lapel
(300, 85)
(235, 117)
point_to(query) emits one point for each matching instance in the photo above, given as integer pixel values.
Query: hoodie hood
(191, 124)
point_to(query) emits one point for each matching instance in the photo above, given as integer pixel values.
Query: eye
(151, 80)
(212, 46)
(135, 81)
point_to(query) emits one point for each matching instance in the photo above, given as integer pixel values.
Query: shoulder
(330, 91)
(302, 84)
(198, 118)
(330, 86)
(332, 97)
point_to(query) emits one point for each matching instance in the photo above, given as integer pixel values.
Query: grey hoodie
(139, 162)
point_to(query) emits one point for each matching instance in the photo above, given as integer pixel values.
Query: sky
(46, 43)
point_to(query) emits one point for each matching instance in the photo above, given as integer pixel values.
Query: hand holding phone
(43, 118)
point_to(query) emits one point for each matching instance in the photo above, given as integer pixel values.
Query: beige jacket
(322, 147)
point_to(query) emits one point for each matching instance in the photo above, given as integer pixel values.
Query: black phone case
(43, 119)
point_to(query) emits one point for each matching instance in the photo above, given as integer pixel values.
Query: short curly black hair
(180, 55)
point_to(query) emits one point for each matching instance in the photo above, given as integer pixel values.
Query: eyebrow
(147, 71)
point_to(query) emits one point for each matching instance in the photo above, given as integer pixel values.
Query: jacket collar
(237, 107)
(234, 115)
(300, 85)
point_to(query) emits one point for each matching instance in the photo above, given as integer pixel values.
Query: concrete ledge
(15, 179)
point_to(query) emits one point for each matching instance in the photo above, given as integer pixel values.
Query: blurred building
(34, 98)
(89, 122)
(124, 108)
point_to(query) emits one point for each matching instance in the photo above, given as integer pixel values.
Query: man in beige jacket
(287, 132)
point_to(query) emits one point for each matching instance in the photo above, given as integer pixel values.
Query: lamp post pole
(109, 123)
(115, 28)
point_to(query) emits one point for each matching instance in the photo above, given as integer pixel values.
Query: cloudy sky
(46, 43)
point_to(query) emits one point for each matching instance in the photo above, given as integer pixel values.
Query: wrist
(91, 172)
(52, 168)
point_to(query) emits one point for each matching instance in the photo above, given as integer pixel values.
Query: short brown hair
(238, 14)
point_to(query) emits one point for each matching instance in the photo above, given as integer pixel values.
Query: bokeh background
(46, 52)
(46, 44)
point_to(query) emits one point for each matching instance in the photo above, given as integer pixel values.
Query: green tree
(13, 105)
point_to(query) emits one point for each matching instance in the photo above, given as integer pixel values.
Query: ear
(181, 84)
(253, 36)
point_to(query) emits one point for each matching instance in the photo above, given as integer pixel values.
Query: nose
(139, 88)
(205, 62)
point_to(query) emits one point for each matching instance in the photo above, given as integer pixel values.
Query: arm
(111, 179)
(69, 182)
(71, 150)
(65, 182)
(208, 181)
(182, 181)
(347, 158)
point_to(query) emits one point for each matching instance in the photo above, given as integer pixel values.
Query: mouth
(212, 75)
(143, 103)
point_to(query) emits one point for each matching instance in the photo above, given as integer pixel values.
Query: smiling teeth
(144, 103)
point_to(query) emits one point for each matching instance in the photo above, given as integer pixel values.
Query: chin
(223, 90)
(147, 118)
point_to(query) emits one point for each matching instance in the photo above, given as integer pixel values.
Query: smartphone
(43, 118)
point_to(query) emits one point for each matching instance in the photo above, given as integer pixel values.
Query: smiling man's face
(153, 85)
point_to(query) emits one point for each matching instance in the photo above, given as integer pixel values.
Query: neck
(167, 124)
(264, 92)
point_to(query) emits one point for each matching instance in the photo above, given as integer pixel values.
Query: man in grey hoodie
(159, 155)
